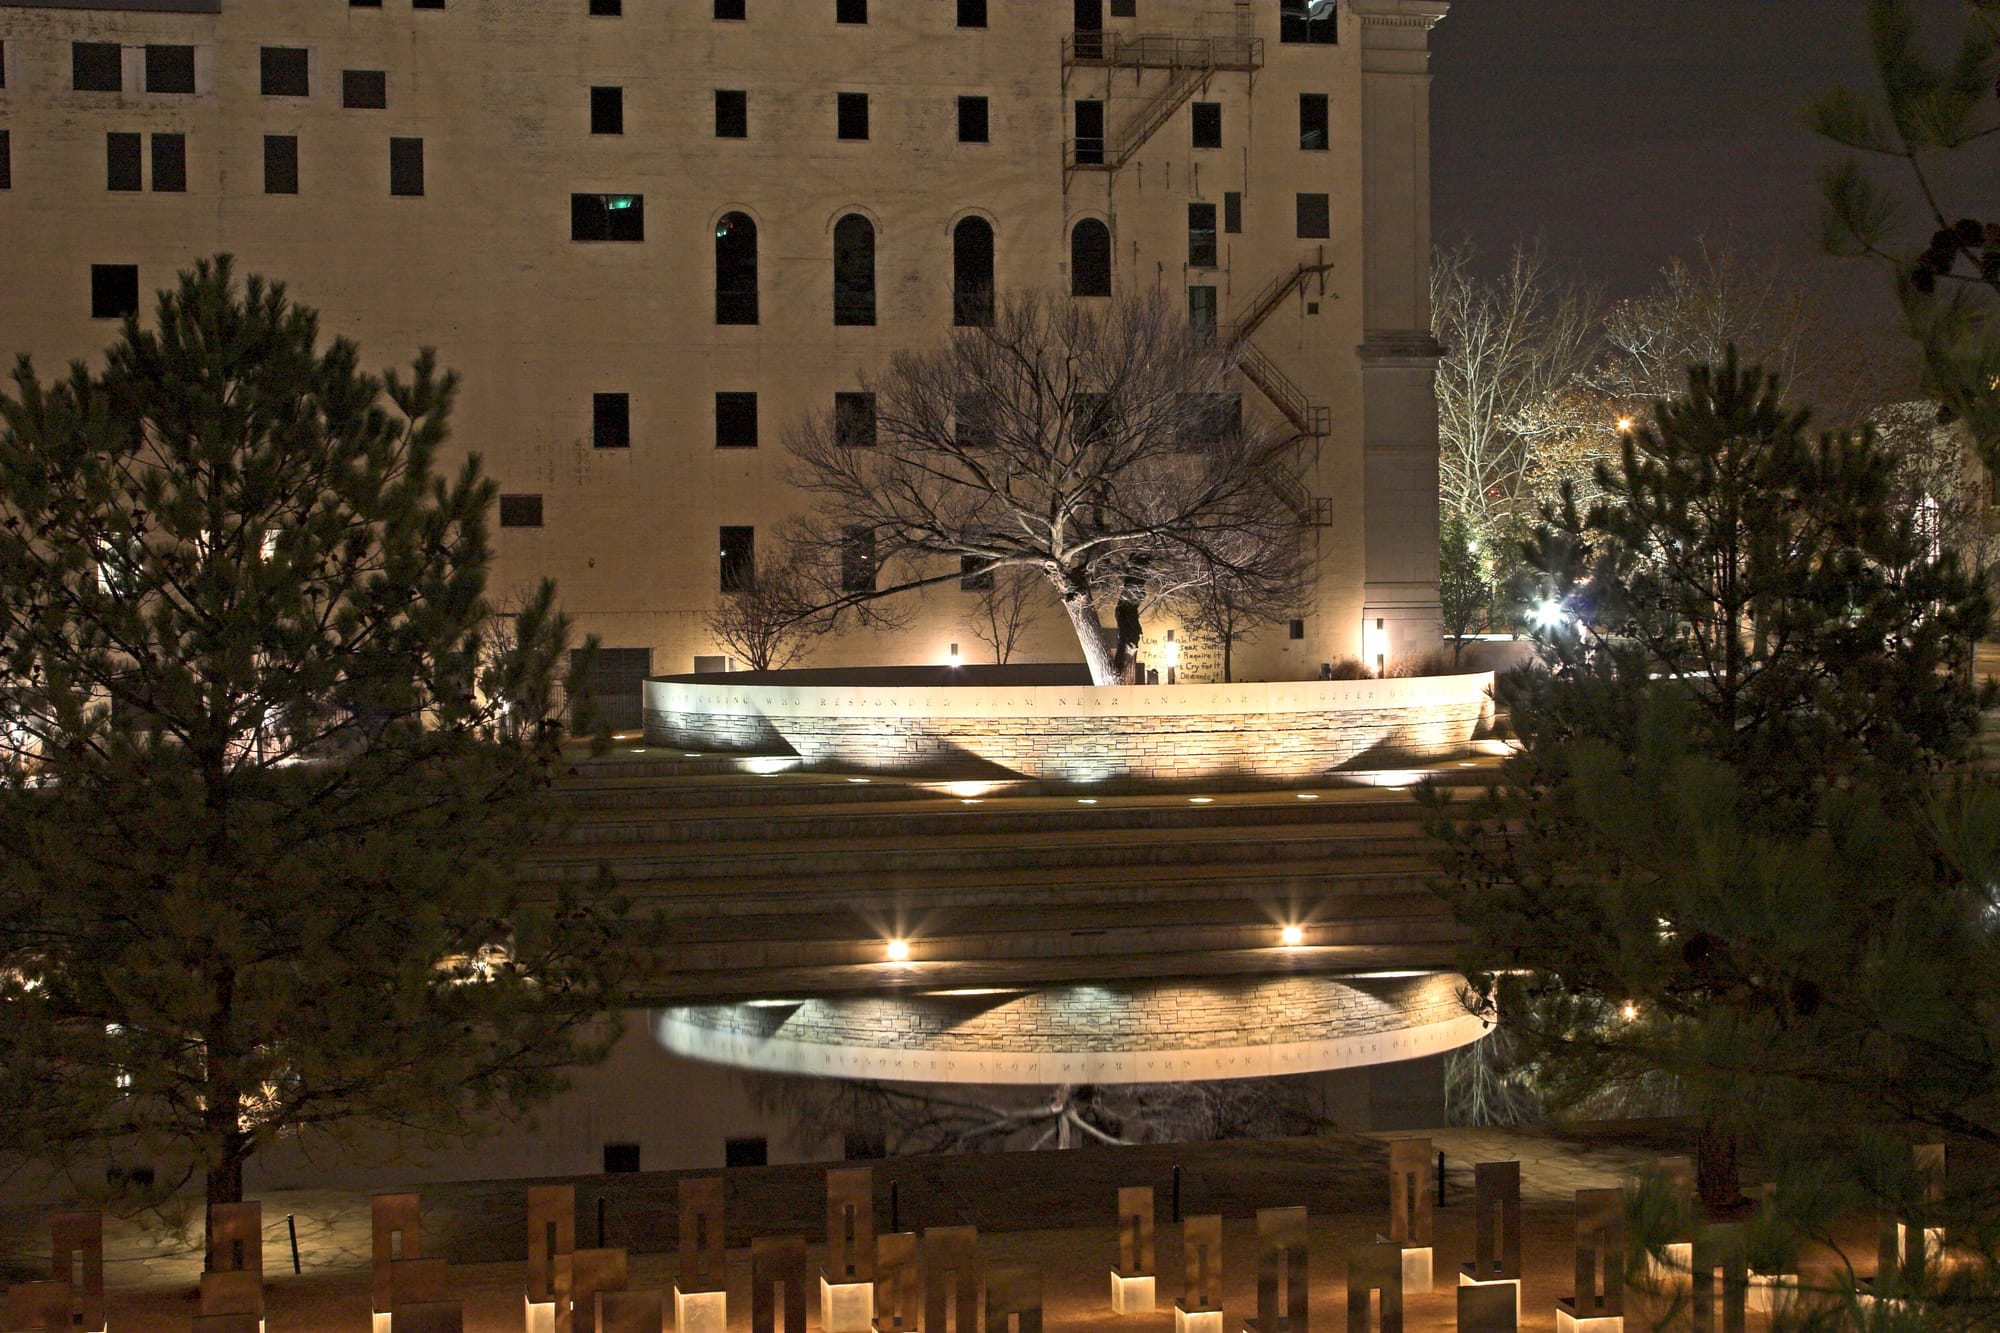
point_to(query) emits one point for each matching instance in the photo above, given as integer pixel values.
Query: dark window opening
(1124, 9)
(971, 13)
(736, 421)
(739, 563)
(732, 113)
(972, 421)
(426, 4)
(850, 11)
(281, 164)
(620, 1159)
(364, 89)
(1216, 417)
(520, 511)
(114, 290)
(3, 64)
(6, 160)
(730, 9)
(1202, 252)
(857, 558)
(1201, 313)
(282, 71)
(975, 573)
(614, 683)
(607, 9)
(364, 4)
(1315, 217)
(1308, 21)
(611, 421)
(1091, 417)
(853, 270)
(854, 420)
(1312, 121)
(607, 217)
(607, 110)
(170, 164)
(736, 269)
(1088, 25)
(745, 1152)
(1296, 629)
(1207, 124)
(169, 69)
(406, 166)
(96, 67)
(1089, 133)
(972, 273)
(1232, 212)
(121, 162)
(972, 120)
(851, 115)
(1090, 259)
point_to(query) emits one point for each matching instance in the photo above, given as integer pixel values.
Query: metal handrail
(1161, 50)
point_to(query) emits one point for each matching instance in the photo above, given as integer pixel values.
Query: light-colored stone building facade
(465, 174)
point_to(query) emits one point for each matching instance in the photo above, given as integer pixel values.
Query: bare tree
(1940, 481)
(1507, 385)
(1106, 450)
(1009, 602)
(770, 620)
(909, 1118)
(1230, 608)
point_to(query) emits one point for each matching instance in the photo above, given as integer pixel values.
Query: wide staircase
(776, 884)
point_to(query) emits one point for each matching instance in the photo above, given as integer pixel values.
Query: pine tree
(268, 756)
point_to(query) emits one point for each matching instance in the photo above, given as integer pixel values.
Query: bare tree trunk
(1090, 637)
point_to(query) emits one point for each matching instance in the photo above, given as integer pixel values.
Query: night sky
(1622, 130)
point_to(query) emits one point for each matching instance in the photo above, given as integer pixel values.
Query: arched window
(972, 272)
(736, 269)
(853, 270)
(1090, 259)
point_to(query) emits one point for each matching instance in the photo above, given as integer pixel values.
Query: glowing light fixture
(1291, 937)
(897, 951)
(1548, 613)
(1308, 796)
(1628, 1011)
(1385, 976)
(1624, 424)
(857, 779)
(1086, 800)
(1375, 644)
(1201, 800)
(952, 658)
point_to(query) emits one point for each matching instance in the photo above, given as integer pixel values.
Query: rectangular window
(852, 115)
(736, 421)
(731, 10)
(607, 110)
(169, 69)
(281, 164)
(975, 573)
(1309, 21)
(1315, 218)
(746, 1152)
(972, 421)
(857, 558)
(170, 164)
(6, 160)
(1089, 133)
(850, 11)
(732, 113)
(1201, 313)
(426, 4)
(611, 421)
(972, 120)
(1232, 212)
(364, 4)
(607, 9)
(282, 71)
(1215, 417)
(971, 13)
(520, 511)
(406, 166)
(121, 162)
(607, 217)
(96, 67)
(1201, 236)
(3, 64)
(739, 558)
(854, 420)
(1296, 629)
(364, 89)
(114, 290)
(619, 1158)
(1091, 417)
(1312, 121)
(1124, 9)
(1207, 124)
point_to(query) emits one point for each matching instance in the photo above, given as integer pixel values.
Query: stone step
(953, 819)
(725, 791)
(1135, 848)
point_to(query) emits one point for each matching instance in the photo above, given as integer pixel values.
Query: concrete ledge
(1076, 735)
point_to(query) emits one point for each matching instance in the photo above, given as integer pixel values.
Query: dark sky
(1622, 130)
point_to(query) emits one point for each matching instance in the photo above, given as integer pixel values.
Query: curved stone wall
(1161, 1033)
(1076, 734)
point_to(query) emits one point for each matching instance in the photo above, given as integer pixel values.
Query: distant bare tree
(1009, 602)
(1230, 608)
(1940, 479)
(1515, 348)
(912, 1118)
(1106, 450)
(770, 621)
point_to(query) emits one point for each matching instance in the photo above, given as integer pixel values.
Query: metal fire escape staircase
(1309, 420)
(1190, 63)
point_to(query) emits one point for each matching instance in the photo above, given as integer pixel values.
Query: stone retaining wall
(1080, 734)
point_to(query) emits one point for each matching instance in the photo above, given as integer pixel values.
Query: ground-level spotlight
(897, 951)
(1291, 937)
(953, 658)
